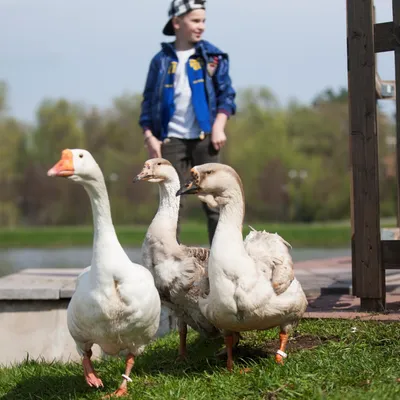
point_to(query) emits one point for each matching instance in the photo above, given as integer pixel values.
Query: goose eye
(81, 155)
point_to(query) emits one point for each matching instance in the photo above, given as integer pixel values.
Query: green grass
(329, 235)
(300, 235)
(334, 364)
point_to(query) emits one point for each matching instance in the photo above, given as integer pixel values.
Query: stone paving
(328, 286)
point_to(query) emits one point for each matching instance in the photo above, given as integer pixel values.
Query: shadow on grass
(162, 358)
(65, 381)
(268, 349)
(38, 380)
(203, 354)
(57, 387)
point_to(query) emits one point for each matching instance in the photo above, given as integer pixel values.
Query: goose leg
(280, 354)
(90, 375)
(236, 339)
(229, 344)
(182, 340)
(123, 388)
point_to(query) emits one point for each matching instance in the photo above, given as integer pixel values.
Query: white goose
(116, 304)
(180, 272)
(252, 286)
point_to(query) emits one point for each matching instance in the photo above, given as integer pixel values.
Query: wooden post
(396, 23)
(368, 275)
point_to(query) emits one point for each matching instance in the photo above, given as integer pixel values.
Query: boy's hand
(218, 137)
(153, 145)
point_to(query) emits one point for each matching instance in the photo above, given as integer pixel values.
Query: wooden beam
(391, 254)
(386, 36)
(368, 274)
(384, 89)
(396, 22)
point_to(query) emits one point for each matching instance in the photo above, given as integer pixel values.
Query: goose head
(218, 180)
(156, 170)
(77, 165)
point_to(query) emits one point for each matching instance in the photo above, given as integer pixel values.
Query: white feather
(115, 304)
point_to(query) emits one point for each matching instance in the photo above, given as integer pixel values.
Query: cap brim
(169, 29)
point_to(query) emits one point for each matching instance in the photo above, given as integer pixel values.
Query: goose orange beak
(65, 167)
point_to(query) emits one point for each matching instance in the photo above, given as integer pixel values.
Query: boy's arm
(145, 120)
(225, 102)
(145, 115)
(224, 90)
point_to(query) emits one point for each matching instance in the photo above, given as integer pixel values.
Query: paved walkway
(327, 284)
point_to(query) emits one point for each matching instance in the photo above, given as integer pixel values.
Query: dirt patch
(296, 343)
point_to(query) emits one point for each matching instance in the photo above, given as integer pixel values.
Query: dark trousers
(184, 154)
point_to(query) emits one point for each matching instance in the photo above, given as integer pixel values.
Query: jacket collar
(203, 47)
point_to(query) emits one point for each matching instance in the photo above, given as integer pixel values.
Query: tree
(12, 158)
(293, 160)
(47, 201)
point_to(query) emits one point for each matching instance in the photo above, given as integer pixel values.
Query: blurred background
(72, 74)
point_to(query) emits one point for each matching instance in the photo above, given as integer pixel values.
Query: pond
(79, 257)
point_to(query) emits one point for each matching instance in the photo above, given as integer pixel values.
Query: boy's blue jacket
(212, 92)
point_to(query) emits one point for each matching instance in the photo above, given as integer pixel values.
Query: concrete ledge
(38, 329)
(33, 316)
(66, 293)
(39, 284)
(29, 294)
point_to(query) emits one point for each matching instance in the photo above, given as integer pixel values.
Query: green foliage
(293, 160)
(9, 214)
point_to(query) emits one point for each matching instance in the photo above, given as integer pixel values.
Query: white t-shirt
(183, 124)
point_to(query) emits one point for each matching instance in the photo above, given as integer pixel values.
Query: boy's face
(191, 25)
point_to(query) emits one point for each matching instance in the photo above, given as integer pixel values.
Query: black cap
(181, 7)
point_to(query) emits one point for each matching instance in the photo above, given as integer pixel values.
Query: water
(79, 257)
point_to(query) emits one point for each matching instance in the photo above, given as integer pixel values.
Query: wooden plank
(391, 254)
(385, 36)
(396, 22)
(375, 305)
(353, 255)
(378, 86)
(368, 273)
(382, 91)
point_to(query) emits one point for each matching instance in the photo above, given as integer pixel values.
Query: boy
(188, 96)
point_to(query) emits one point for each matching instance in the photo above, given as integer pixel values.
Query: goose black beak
(188, 188)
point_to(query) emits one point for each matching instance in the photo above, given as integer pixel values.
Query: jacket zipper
(160, 96)
(207, 80)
